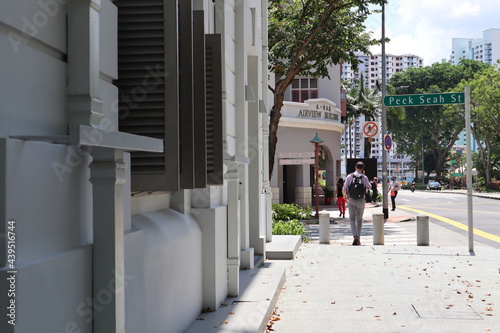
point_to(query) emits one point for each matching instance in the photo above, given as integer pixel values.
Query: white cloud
(426, 27)
(464, 10)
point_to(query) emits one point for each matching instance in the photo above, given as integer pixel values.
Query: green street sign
(424, 99)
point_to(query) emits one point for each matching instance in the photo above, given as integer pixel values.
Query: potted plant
(328, 195)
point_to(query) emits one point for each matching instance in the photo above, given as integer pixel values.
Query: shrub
(291, 227)
(328, 193)
(290, 211)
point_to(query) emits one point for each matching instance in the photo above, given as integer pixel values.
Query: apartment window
(304, 89)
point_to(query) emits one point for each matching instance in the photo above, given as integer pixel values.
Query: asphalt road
(450, 211)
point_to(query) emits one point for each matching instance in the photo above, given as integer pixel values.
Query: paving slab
(283, 247)
(251, 310)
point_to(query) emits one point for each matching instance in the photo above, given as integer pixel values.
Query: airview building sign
(314, 109)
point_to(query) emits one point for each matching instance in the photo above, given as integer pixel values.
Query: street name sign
(424, 99)
(286, 161)
(296, 155)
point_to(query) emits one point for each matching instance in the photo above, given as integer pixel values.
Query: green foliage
(306, 37)
(485, 117)
(438, 125)
(291, 227)
(290, 212)
(328, 192)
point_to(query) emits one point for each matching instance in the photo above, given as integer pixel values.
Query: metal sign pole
(385, 203)
(469, 169)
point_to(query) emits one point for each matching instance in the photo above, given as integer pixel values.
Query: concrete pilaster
(303, 196)
(233, 232)
(275, 194)
(214, 254)
(84, 101)
(108, 177)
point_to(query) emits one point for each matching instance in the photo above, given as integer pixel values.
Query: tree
(439, 124)
(361, 101)
(308, 36)
(485, 116)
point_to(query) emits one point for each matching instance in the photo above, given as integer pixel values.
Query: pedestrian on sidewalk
(374, 190)
(394, 187)
(340, 197)
(354, 190)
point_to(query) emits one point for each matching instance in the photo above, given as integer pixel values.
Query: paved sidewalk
(336, 288)
(396, 287)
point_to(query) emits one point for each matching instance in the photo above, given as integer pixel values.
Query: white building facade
(312, 105)
(485, 49)
(133, 161)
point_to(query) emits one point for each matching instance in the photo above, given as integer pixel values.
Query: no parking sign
(387, 142)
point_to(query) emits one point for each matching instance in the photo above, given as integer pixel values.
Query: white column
(233, 232)
(107, 172)
(422, 230)
(324, 228)
(257, 229)
(378, 229)
(84, 101)
(266, 184)
(265, 122)
(240, 9)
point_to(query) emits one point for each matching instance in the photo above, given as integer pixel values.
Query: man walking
(354, 190)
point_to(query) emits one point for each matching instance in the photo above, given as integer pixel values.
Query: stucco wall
(172, 269)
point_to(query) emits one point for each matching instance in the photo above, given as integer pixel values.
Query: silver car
(433, 186)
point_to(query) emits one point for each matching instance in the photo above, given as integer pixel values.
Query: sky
(426, 27)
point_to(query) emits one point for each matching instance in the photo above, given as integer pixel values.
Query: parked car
(433, 186)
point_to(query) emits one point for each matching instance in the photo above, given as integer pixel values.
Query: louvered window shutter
(214, 120)
(170, 90)
(148, 88)
(200, 135)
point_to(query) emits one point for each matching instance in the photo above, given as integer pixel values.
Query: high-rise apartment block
(486, 49)
(371, 67)
(353, 143)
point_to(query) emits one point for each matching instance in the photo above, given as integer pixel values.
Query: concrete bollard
(378, 229)
(324, 228)
(422, 230)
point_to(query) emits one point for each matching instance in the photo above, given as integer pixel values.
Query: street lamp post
(316, 141)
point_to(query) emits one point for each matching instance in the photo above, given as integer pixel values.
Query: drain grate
(458, 312)
(244, 302)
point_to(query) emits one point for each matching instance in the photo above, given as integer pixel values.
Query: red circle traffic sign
(387, 142)
(370, 129)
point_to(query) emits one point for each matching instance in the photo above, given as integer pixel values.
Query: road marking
(464, 210)
(452, 204)
(456, 224)
(393, 235)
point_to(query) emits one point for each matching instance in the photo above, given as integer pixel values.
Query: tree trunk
(279, 96)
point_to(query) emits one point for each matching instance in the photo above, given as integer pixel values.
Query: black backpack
(357, 189)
